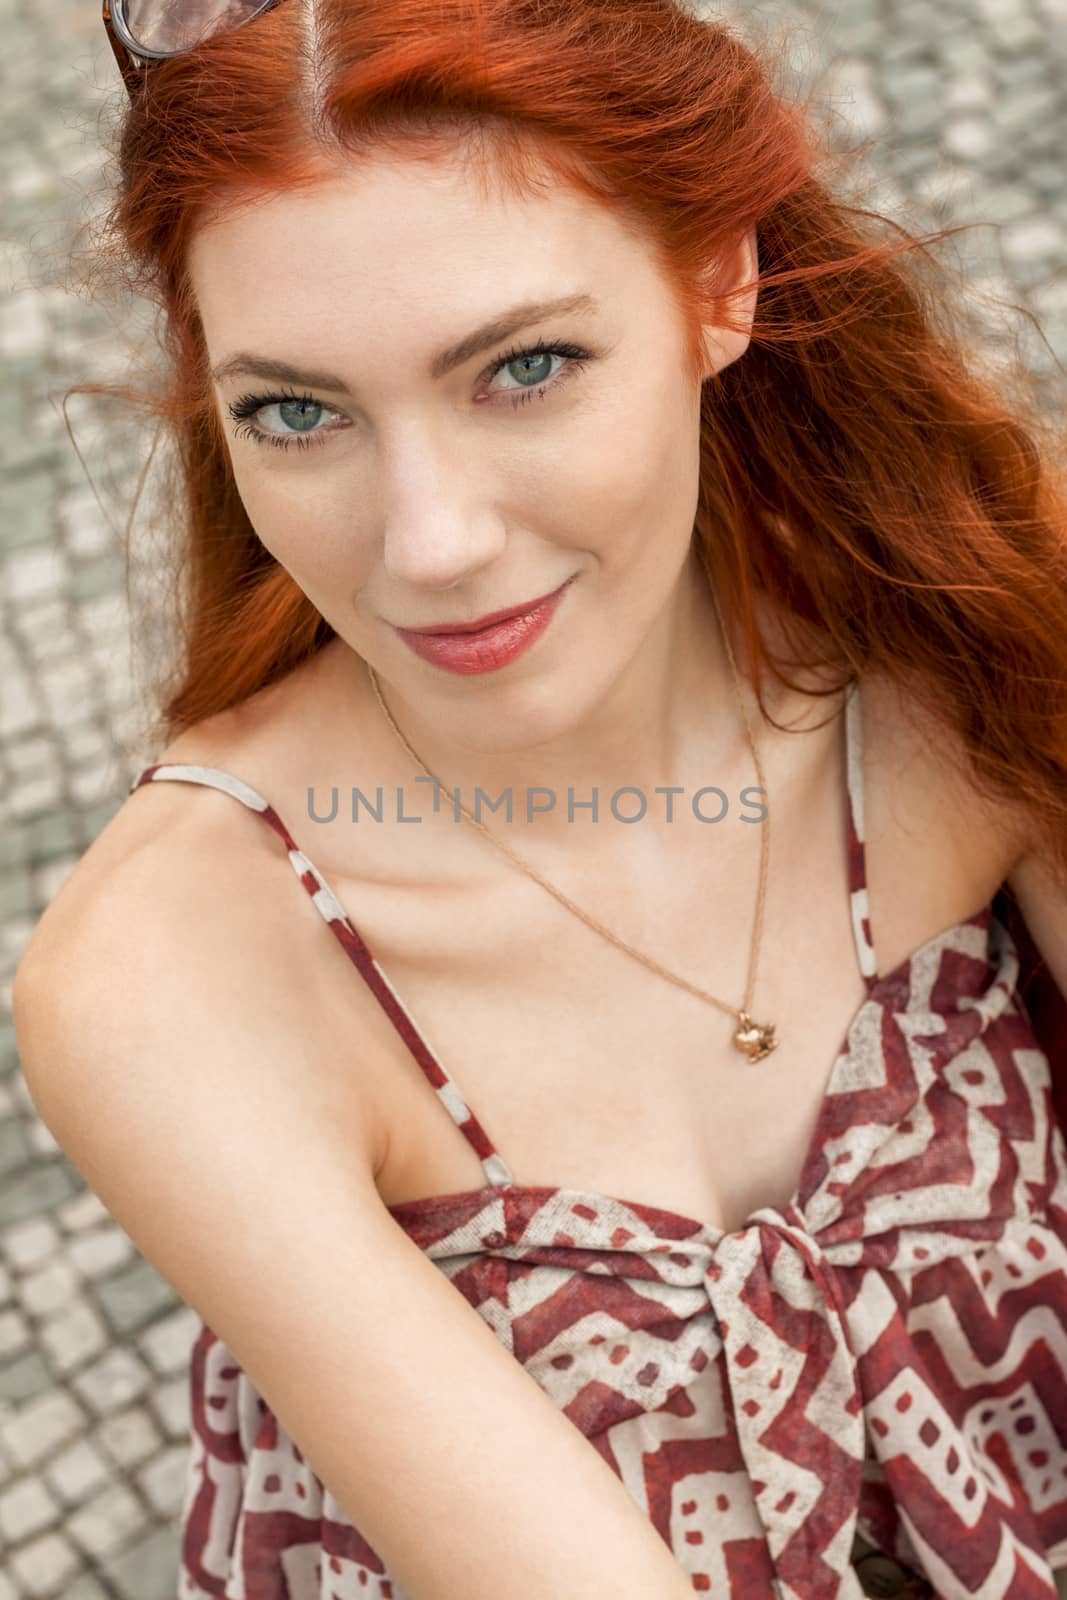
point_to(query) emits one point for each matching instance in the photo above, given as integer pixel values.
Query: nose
(439, 530)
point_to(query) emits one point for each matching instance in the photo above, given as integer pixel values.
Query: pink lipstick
(472, 648)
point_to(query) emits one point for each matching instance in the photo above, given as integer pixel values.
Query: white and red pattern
(888, 1355)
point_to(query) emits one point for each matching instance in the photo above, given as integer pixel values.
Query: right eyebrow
(502, 326)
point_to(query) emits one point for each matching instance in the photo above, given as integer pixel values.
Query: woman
(482, 308)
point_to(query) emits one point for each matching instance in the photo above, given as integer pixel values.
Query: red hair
(896, 505)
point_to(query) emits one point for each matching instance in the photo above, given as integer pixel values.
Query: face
(402, 491)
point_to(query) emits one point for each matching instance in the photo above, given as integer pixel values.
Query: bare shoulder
(183, 942)
(173, 848)
(147, 872)
(919, 772)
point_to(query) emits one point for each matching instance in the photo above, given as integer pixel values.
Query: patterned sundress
(862, 1393)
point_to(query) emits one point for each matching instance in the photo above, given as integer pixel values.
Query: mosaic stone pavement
(966, 101)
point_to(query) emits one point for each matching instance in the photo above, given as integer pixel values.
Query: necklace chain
(756, 1040)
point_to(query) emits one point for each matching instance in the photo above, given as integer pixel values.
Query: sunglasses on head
(143, 31)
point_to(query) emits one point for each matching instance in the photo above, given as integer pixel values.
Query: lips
(471, 649)
(488, 621)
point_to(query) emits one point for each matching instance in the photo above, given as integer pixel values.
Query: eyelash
(243, 410)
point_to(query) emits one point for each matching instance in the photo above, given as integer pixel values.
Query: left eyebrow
(502, 326)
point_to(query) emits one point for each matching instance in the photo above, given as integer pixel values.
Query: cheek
(307, 525)
(627, 480)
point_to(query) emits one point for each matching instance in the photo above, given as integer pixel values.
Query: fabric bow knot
(796, 1398)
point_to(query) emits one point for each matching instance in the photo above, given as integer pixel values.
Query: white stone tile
(73, 1337)
(27, 1244)
(171, 1402)
(18, 707)
(68, 690)
(107, 1521)
(92, 783)
(967, 92)
(50, 1288)
(1041, 236)
(948, 185)
(78, 1472)
(111, 1382)
(163, 1480)
(14, 1333)
(84, 1211)
(43, 1567)
(168, 1343)
(37, 570)
(40, 1426)
(87, 744)
(851, 86)
(85, 525)
(32, 755)
(101, 1249)
(25, 1509)
(31, 795)
(105, 617)
(24, 327)
(45, 630)
(130, 1436)
(969, 138)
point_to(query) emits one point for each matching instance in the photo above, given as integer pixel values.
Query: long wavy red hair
(903, 509)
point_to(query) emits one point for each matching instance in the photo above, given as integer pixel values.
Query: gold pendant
(756, 1039)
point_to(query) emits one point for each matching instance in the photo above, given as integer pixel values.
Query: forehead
(385, 231)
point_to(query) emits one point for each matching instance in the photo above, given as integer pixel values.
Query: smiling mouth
(491, 620)
(492, 646)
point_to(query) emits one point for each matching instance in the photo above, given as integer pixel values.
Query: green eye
(296, 412)
(574, 355)
(302, 410)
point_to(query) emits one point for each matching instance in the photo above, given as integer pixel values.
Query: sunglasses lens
(173, 25)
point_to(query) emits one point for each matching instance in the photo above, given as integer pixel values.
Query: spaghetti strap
(857, 847)
(336, 918)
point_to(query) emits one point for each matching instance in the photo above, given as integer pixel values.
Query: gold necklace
(753, 1039)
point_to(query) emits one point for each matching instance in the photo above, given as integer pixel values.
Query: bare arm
(243, 1170)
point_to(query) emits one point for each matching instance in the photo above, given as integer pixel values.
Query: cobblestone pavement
(967, 102)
